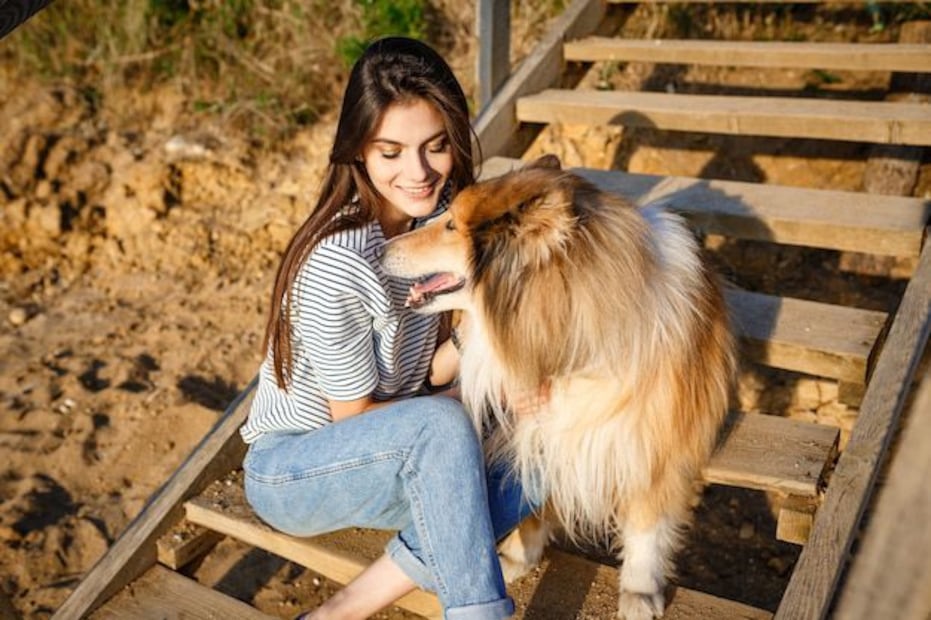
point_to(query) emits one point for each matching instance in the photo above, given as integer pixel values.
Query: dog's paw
(513, 569)
(637, 606)
(523, 548)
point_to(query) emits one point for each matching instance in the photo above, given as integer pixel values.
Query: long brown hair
(392, 70)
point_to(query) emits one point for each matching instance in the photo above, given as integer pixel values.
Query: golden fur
(611, 307)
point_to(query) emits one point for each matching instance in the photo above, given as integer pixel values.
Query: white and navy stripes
(351, 337)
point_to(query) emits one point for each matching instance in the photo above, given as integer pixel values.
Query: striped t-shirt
(351, 337)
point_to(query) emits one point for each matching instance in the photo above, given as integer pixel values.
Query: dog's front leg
(642, 577)
(523, 548)
(650, 538)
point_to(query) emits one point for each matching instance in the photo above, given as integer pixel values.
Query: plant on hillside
(380, 18)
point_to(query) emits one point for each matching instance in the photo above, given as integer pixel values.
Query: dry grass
(262, 66)
(270, 66)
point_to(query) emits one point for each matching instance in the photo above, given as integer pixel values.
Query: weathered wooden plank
(812, 586)
(135, 550)
(893, 170)
(839, 56)
(596, 583)
(493, 25)
(835, 220)
(879, 122)
(163, 593)
(796, 516)
(746, 456)
(223, 508)
(806, 336)
(184, 543)
(496, 126)
(892, 570)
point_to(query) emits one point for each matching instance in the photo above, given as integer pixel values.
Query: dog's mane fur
(560, 302)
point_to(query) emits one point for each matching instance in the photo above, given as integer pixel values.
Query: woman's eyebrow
(391, 142)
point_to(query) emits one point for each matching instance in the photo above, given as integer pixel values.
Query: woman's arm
(342, 409)
(445, 366)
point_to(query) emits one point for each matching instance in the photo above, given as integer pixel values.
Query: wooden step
(903, 57)
(161, 593)
(859, 121)
(591, 583)
(745, 458)
(828, 219)
(772, 453)
(819, 339)
(222, 508)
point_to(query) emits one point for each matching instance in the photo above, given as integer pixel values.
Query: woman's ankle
(341, 606)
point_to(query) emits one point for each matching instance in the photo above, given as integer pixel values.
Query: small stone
(17, 316)
(747, 531)
(778, 565)
(8, 533)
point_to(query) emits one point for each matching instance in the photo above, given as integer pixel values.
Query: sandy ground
(138, 251)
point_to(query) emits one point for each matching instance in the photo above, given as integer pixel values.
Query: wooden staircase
(872, 355)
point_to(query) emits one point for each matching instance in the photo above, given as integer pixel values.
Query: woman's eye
(390, 154)
(439, 147)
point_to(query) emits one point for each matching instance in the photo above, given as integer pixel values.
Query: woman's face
(408, 160)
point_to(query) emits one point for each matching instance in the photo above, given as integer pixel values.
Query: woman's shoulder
(362, 241)
(353, 251)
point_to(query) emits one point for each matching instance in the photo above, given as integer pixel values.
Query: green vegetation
(382, 18)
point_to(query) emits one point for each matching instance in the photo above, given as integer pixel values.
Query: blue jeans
(415, 466)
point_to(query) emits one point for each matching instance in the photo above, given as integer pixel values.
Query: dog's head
(503, 228)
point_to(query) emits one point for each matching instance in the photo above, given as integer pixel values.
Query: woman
(336, 437)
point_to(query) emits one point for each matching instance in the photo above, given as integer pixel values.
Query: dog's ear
(547, 162)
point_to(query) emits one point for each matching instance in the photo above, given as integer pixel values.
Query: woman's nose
(418, 167)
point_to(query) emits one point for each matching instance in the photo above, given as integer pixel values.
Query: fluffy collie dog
(608, 312)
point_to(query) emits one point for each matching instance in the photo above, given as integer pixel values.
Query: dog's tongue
(421, 291)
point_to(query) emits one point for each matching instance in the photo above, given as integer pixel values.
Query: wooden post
(892, 170)
(493, 28)
(819, 569)
(892, 570)
(497, 127)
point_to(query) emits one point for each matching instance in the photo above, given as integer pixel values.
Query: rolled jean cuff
(502, 608)
(412, 566)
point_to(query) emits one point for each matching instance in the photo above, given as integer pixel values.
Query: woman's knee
(448, 419)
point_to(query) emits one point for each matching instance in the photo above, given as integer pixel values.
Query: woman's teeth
(418, 192)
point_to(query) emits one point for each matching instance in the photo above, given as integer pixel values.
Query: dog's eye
(450, 225)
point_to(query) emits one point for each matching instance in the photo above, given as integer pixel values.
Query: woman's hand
(445, 366)
(531, 402)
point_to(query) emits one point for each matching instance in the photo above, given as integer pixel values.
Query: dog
(607, 313)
